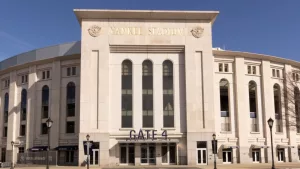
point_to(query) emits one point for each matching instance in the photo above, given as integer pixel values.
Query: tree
(291, 100)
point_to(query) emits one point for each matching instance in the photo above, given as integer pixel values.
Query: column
(12, 110)
(158, 95)
(268, 108)
(137, 153)
(241, 113)
(158, 154)
(263, 156)
(137, 96)
(55, 104)
(31, 104)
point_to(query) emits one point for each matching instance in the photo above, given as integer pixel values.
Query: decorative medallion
(197, 32)
(94, 30)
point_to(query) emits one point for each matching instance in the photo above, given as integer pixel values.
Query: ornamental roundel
(197, 32)
(94, 30)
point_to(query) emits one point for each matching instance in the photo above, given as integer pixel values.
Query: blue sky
(260, 26)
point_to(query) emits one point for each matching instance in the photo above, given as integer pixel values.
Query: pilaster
(55, 104)
(31, 106)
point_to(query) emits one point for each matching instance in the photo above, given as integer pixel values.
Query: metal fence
(37, 158)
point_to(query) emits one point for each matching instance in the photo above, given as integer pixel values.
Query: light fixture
(214, 136)
(88, 137)
(49, 123)
(270, 122)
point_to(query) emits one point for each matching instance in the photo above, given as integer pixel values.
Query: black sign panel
(214, 144)
(85, 144)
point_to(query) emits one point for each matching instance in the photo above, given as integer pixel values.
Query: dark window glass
(277, 107)
(126, 94)
(23, 104)
(278, 73)
(45, 102)
(71, 89)
(44, 75)
(273, 73)
(48, 74)
(44, 128)
(249, 69)
(73, 70)
(26, 78)
(70, 127)
(220, 67)
(201, 144)
(147, 94)
(21, 149)
(68, 71)
(23, 79)
(252, 96)
(254, 70)
(6, 103)
(22, 130)
(5, 132)
(226, 68)
(3, 154)
(168, 96)
(224, 92)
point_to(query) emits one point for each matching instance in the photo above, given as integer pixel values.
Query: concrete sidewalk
(220, 166)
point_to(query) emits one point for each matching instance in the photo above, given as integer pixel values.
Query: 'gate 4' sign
(150, 134)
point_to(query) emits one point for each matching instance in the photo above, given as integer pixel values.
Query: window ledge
(252, 75)
(171, 128)
(254, 132)
(224, 72)
(297, 133)
(150, 128)
(125, 129)
(21, 136)
(226, 132)
(280, 133)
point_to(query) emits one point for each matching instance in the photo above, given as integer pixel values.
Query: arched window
(224, 98)
(45, 102)
(224, 105)
(126, 94)
(6, 103)
(147, 94)
(23, 104)
(277, 107)
(71, 89)
(252, 105)
(297, 107)
(168, 94)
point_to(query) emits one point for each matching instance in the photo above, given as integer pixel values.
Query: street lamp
(214, 146)
(88, 150)
(49, 123)
(270, 123)
(12, 154)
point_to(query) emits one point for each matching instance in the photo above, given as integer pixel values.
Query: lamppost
(88, 151)
(214, 146)
(49, 123)
(270, 123)
(12, 154)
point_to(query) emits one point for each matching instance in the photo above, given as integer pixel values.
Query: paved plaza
(221, 166)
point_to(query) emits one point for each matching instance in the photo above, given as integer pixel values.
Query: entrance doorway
(256, 155)
(148, 154)
(201, 153)
(127, 154)
(280, 155)
(227, 156)
(94, 157)
(168, 152)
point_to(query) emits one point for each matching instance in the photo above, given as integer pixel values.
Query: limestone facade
(108, 38)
